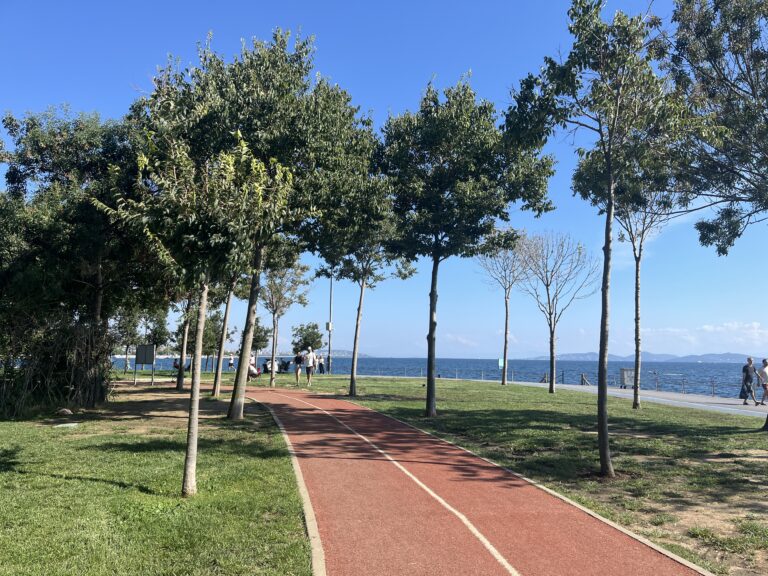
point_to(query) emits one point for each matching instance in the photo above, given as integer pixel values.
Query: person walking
(311, 361)
(231, 364)
(297, 361)
(320, 365)
(747, 378)
(762, 377)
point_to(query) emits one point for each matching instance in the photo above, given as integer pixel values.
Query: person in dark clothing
(747, 378)
(298, 360)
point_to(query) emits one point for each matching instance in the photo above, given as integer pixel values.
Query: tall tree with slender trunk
(197, 197)
(454, 175)
(222, 343)
(558, 271)
(609, 87)
(503, 265)
(298, 127)
(184, 309)
(189, 483)
(649, 193)
(357, 231)
(285, 285)
(638, 225)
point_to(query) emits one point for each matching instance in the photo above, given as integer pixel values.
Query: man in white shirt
(311, 361)
(762, 376)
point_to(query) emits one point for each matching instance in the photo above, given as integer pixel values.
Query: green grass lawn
(695, 482)
(104, 497)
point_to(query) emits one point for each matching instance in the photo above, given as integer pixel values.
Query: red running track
(392, 500)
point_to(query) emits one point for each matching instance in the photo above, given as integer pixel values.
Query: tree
(182, 339)
(719, 61)
(285, 285)
(355, 235)
(236, 287)
(297, 128)
(649, 192)
(453, 176)
(502, 262)
(558, 271)
(155, 326)
(608, 87)
(214, 325)
(126, 331)
(197, 197)
(306, 336)
(64, 274)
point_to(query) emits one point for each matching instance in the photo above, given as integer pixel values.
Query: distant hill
(324, 352)
(728, 357)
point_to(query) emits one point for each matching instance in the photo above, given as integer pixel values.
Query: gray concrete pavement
(699, 401)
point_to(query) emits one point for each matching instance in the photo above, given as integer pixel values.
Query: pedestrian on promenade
(762, 376)
(231, 364)
(297, 361)
(320, 365)
(311, 361)
(747, 378)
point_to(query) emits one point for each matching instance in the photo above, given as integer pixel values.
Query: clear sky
(99, 56)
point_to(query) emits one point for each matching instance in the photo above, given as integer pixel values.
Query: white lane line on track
(464, 520)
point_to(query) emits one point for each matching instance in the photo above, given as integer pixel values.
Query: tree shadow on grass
(250, 448)
(9, 459)
(10, 462)
(117, 483)
(562, 447)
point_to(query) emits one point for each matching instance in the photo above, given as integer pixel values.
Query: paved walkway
(699, 401)
(391, 500)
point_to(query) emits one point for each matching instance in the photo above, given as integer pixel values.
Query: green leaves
(454, 173)
(720, 63)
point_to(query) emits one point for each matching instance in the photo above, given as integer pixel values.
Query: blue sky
(99, 56)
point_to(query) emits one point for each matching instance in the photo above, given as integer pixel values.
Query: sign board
(145, 354)
(627, 377)
(501, 363)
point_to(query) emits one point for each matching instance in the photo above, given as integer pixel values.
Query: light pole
(329, 327)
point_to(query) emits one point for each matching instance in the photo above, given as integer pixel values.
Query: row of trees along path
(227, 163)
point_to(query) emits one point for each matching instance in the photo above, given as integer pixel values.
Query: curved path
(389, 499)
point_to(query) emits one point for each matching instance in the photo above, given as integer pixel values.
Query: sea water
(719, 379)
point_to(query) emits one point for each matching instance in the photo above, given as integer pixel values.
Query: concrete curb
(310, 521)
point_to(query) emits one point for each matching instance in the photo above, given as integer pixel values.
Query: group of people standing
(748, 375)
(311, 361)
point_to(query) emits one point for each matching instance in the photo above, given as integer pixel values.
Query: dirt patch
(146, 410)
(742, 456)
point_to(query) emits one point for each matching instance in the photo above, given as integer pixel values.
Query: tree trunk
(189, 486)
(765, 426)
(552, 372)
(183, 353)
(125, 370)
(431, 409)
(506, 340)
(353, 372)
(222, 344)
(636, 384)
(273, 357)
(237, 402)
(606, 466)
